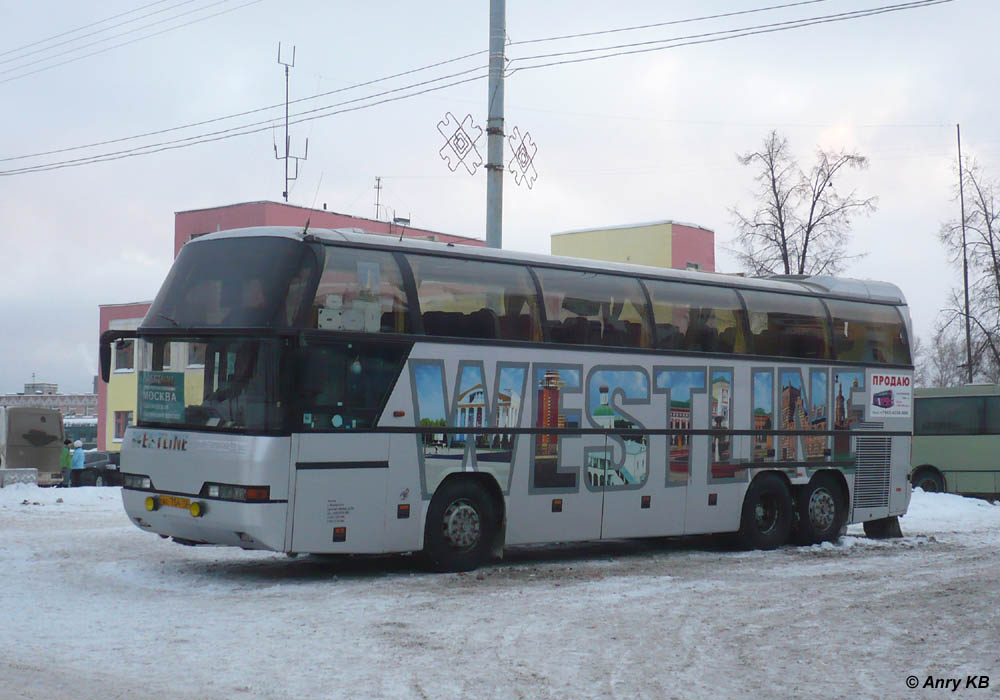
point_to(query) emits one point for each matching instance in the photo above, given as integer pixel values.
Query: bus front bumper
(245, 525)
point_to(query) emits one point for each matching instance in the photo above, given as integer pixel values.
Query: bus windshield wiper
(167, 318)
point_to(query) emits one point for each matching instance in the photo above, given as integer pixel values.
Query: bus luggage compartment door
(340, 481)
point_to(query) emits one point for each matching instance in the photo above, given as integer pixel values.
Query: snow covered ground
(90, 607)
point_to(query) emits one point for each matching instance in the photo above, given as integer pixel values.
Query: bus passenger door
(642, 496)
(339, 486)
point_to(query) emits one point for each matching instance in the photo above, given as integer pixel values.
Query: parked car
(100, 468)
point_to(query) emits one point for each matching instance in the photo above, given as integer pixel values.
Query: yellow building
(658, 243)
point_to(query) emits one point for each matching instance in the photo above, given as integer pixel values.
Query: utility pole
(965, 258)
(378, 192)
(494, 127)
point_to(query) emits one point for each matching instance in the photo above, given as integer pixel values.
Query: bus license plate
(175, 502)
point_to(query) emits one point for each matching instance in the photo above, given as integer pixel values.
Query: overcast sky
(626, 139)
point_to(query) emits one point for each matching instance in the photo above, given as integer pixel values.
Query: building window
(123, 419)
(196, 355)
(125, 356)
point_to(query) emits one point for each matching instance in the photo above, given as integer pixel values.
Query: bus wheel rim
(461, 526)
(766, 513)
(822, 509)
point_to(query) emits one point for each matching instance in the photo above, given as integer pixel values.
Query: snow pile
(83, 497)
(931, 513)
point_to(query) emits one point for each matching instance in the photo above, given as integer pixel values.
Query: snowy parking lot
(90, 607)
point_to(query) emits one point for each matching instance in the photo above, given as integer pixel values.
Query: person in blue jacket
(76, 463)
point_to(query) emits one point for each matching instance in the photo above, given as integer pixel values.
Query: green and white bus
(956, 440)
(338, 392)
(82, 428)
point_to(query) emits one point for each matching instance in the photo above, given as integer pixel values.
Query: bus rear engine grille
(871, 480)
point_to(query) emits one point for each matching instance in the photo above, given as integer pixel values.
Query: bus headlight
(136, 481)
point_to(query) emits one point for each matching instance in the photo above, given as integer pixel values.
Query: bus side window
(872, 333)
(343, 386)
(696, 317)
(585, 308)
(948, 415)
(360, 291)
(787, 325)
(475, 299)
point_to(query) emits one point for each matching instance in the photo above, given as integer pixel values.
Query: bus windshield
(232, 385)
(253, 385)
(235, 283)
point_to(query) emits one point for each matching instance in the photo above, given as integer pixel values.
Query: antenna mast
(288, 143)
(378, 192)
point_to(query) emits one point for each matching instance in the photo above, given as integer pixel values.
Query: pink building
(198, 222)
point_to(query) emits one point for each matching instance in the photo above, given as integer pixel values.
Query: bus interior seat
(669, 337)
(571, 330)
(479, 324)
(516, 327)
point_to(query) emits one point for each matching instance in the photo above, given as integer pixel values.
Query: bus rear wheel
(929, 480)
(822, 510)
(461, 525)
(766, 519)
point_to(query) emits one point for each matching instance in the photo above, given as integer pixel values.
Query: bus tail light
(231, 492)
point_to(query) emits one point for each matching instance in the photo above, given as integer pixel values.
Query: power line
(245, 113)
(711, 37)
(667, 24)
(323, 112)
(132, 41)
(371, 82)
(100, 41)
(94, 33)
(141, 150)
(80, 29)
(401, 74)
(266, 124)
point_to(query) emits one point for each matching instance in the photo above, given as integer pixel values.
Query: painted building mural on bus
(469, 421)
(680, 384)
(551, 384)
(847, 412)
(624, 459)
(473, 406)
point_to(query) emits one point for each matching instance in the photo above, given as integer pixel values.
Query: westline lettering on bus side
(159, 443)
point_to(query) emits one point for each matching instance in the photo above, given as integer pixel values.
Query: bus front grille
(871, 480)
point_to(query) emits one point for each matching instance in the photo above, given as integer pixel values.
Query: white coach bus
(338, 392)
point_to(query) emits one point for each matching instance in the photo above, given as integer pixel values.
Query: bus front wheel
(461, 526)
(822, 510)
(930, 480)
(766, 519)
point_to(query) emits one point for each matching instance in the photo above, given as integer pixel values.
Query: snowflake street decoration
(523, 162)
(460, 143)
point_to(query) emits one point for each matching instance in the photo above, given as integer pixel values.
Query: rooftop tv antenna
(288, 143)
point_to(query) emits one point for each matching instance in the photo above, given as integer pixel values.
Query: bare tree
(982, 245)
(801, 222)
(943, 362)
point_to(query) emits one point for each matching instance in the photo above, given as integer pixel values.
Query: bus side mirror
(107, 338)
(105, 362)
